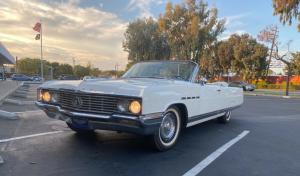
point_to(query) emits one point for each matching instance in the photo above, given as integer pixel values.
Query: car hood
(128, 87)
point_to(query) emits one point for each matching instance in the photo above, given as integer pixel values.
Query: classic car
(155, 98)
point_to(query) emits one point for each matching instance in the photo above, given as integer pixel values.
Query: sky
(92, 31)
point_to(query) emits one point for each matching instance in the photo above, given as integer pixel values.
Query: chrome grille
(90, 102)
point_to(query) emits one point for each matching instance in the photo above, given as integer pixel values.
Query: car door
(207, 99)
(212, 94)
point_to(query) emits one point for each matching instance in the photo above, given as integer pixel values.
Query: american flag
(37, 27)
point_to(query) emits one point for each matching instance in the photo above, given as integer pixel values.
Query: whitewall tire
(167, 134)
(225, 118)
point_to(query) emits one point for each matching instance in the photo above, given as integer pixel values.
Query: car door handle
(219, 90)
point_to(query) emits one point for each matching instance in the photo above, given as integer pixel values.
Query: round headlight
(46, 96)
(135, 107)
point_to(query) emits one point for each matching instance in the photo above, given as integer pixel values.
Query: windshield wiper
(156, 77)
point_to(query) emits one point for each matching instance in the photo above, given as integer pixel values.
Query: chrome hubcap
(228, 115)
(168, 127)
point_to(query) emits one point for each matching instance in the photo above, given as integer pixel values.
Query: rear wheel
(167, 134)
(225, 118)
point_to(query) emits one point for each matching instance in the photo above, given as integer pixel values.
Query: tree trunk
(288, 81)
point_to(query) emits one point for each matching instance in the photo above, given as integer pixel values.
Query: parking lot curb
(267, 95)
(8, 115)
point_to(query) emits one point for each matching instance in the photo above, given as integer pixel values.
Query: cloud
(235, 24)
(143, 6)
(88, 34)
(227, 34)
(236, 20)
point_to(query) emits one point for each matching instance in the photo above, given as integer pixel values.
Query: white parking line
(1, 160)
(209, 159)
(29, 112)
(29, 136)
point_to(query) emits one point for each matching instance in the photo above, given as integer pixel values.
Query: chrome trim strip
(125, 116)
(152, 116)
(204, 120)
(90, 115)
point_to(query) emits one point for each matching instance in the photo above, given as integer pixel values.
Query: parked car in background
(156, 98)
(37, 78)
(67, 77)
(245, 86)
(219, 83)
(20, 77)
(1, 77)
(88, 77)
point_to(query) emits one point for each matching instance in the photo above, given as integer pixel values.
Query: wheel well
(183, 112)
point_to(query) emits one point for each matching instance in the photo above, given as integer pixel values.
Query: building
(6, 59)
(277, 67)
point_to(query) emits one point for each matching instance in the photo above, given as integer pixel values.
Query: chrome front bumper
(143, 124)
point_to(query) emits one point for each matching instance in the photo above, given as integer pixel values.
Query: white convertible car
(157, 98)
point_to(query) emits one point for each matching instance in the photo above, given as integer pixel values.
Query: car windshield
(179, 70)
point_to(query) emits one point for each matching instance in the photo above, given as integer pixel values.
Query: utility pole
(42, 67)
(116, 69)
(269, 35)
(73, 59)
(16, 70)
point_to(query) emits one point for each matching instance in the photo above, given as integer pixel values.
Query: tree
(81, 71)
(287, 10)
(288, 64)
(191, 28)
(225, 56)
(144, 42)
(31, 66)
(295, 63)
(243, 55)
(63, 69)
(250, 57)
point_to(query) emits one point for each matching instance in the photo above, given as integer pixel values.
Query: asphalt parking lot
(49, 148)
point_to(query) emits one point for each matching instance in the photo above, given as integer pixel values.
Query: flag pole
(42, 69)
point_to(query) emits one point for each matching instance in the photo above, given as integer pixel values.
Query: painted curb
(8, 115)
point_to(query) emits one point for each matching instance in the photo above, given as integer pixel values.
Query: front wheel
(225, 118)
(167, 134)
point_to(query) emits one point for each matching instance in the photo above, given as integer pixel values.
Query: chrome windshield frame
(193, 74)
